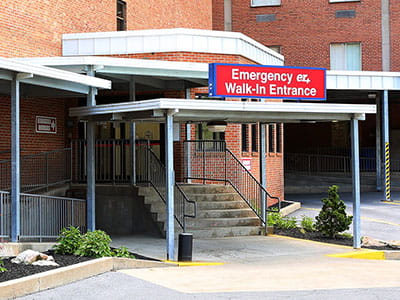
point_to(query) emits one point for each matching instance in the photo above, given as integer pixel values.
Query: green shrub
(332, 218)
(69, 240)
(95, 244)
(275, 219)
(122, 252)
(307, 224)
(2, 269)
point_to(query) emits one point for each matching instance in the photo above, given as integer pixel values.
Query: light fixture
(217, 126)
(371, 95)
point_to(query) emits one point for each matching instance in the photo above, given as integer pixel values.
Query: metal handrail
(42, 216)
(226, 167)
(180, 213)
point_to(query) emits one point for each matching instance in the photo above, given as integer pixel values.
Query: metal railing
(42, 217)
(153, 173)
(39, 171)
(5, 215)
(317, 163)
(112, 159)
(212, 161)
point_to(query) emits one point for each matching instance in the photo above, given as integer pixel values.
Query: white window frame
(258, 3)
(345, 53)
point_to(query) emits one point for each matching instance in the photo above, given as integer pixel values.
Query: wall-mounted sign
(247, 163)
(46, 124)
(256, 81)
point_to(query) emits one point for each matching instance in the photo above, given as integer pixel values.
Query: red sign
(255, 81)
(46, 124)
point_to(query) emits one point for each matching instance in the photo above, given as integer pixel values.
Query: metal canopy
(229, 111)
(49, 77)
(156, 74)
(197, 73)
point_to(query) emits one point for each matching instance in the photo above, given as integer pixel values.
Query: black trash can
(185, 247)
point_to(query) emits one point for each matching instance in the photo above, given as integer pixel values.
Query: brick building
(345, 35)
(139, 48)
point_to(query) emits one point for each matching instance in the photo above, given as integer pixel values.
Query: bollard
(185, 247)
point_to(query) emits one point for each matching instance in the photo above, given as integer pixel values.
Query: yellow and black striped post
(387, 172)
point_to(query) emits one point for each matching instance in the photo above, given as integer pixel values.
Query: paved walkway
(255, 267)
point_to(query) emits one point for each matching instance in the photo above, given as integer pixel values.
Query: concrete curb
(370, 254)
(290, 208)
(53, 278)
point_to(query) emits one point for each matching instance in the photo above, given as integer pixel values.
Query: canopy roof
(49, 77)
(190, 110)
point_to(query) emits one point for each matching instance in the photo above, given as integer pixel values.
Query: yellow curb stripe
(192, 263)
(310, 241)
(364, 254)
(391, 202)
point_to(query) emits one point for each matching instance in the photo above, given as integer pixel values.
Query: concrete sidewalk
(254, 267)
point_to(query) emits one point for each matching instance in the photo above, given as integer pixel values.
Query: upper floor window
(121, 15)
(265, 2)
(275, 48)
(346, 56)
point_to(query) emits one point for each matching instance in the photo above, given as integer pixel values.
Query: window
(346, 56)
(121, 15)
(255, 3)
(279, 135)
(202, 133)
(271, 138)
(245, 135)
(254, 137)
(275, 48)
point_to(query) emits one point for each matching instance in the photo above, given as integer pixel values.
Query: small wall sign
(46, 124)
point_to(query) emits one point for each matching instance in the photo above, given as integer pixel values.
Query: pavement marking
(363, 254)
(391, 202)
(363, 218)
(193, 263)
(311, 241)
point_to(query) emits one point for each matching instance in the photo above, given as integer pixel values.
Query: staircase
(221, 212)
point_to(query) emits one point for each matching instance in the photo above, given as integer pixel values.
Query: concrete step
(214, 197)
(226, 213)
(218, 232)
(209, 188)
(222, 222)
(207, 205)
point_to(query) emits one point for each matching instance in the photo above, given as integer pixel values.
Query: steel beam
(15, 160)
(378, 144)
(188, 138)
(263, 171)
(170, 183)
(385, 143)
(355, 162)
(132, 137)
(91, 160)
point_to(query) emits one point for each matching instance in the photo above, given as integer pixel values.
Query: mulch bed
(20, 270)
(315, 236)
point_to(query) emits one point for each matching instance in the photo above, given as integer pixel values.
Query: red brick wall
(305, 29)
(395, 35)
(34, 28)
(190, 57)
(31, 141)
